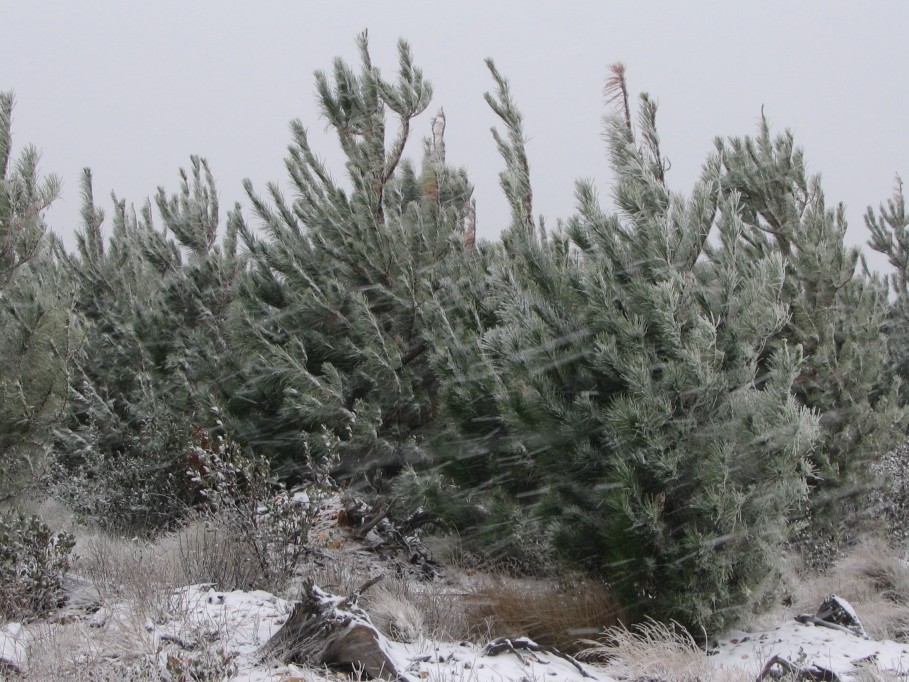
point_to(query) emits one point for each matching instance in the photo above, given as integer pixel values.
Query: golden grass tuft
(656, 651)
(871, 577)
(556, 614)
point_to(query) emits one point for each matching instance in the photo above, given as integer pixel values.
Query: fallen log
(325, 629)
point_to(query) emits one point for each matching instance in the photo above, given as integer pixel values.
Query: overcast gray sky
(131, 89)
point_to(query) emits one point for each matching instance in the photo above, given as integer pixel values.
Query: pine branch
(616, 89)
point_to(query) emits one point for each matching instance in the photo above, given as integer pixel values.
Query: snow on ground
(232, 626)
(200, 629)
(12, 647)
(807, 644)
(244, 621)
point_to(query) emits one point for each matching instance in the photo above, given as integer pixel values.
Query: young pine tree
(154, 305)
(36, 338)
(630, 401)
(836, 312)
(889, 229)
(334, 315)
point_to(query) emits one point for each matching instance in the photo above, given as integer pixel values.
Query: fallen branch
(186, 644)
(500, 644)
(806, 618)
(813, 673)
(364, 519)
(376, 517)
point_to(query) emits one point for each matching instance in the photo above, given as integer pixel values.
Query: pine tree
(335, 307)
(154, 305)
(189, 336)
(36, 339)
(836, 311)
(889, 230)
(635, 411)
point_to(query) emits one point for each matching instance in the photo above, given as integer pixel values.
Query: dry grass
(130, 570)
(392, 610)
(82, 653)
(126, 647)
(407, 611)
(202, 553)
(872, 578)
(404, 610)
(132, 581)
(872, 673)
(340, 574)
(555, 614)
(656, 651)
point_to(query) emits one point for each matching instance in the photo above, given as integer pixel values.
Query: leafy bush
(129, 479)
(33, 562)
(264, 528)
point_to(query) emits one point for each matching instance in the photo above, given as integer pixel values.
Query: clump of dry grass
(656, 651)
(872, 673)
(82, 653)
(404, 610)
(201, 552)
(133, 570)
(407, 611)
(393, 611)
(872, 578)
(557, 614)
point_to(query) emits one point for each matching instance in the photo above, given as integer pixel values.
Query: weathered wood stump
(324, 629)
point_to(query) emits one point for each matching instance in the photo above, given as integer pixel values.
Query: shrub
(255, 525)
(33, 562)
(136, 486)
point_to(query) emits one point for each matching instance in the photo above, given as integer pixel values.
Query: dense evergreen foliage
(36, 334)
(889, 229)
(836, 312)
(333, 312)
(654, 392)
(635, 400)
(153, 305)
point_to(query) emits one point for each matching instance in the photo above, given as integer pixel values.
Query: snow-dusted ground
(807, 644)
(232, 626)
(198, 632)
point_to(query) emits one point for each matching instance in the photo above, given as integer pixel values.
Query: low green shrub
(33, 561)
